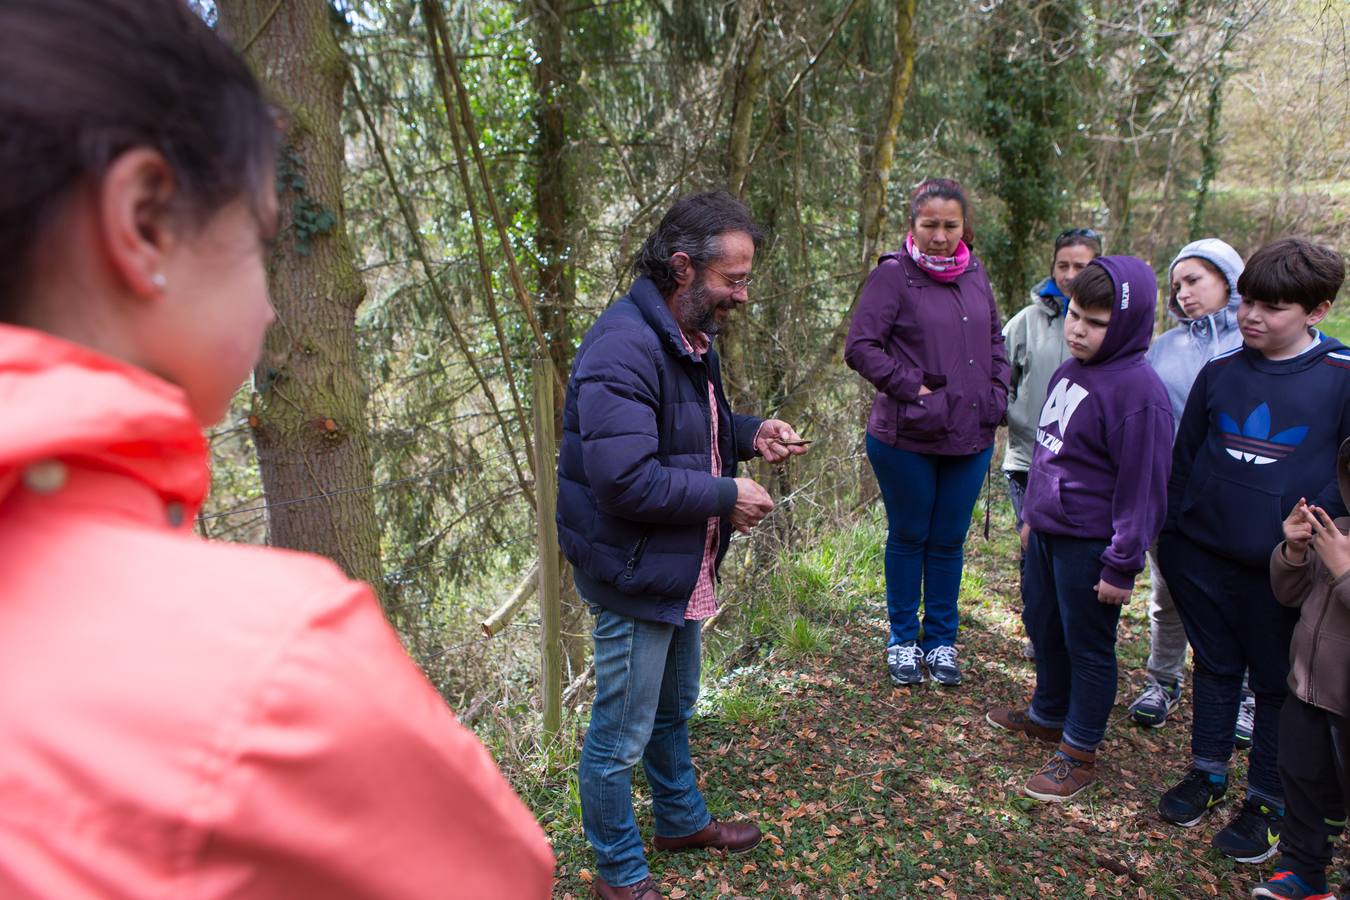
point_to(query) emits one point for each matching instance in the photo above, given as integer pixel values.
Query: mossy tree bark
(309, 415)
(555, 269)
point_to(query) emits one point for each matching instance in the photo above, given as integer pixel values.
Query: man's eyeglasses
(736, 284)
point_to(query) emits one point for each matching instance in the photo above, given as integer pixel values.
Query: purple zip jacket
(910, 330)
(1104, 443)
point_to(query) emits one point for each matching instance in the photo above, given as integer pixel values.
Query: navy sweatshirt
(1258, 434)
(1105, 437)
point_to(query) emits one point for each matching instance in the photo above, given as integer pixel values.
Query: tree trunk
(1209, 151)
(557, 284)
(309, 415)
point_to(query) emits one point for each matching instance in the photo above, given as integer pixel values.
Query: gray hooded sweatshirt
(1034, 343)
(1180, 353)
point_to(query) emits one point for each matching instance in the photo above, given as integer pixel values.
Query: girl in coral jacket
(181, 718)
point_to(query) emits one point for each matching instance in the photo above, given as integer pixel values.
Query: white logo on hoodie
(1058, 410)
(1124, 295)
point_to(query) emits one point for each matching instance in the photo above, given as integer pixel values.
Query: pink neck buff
(941, 268)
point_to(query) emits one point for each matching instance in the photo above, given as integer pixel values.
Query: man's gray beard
(696, 312)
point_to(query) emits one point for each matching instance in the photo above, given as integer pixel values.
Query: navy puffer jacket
(635, 483)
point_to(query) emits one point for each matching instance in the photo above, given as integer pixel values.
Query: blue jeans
(1075, 637)
(929, 499)
(1234, 623)
(646, 683)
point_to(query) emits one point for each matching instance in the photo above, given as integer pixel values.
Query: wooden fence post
(546, 504)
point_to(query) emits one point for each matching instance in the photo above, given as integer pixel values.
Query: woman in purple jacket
(927, 334)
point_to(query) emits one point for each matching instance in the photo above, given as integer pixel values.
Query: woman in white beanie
(1204, 301)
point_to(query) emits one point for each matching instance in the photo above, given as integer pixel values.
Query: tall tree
(309, 416)
(1028, 75)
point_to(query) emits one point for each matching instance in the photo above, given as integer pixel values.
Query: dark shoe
(1068, 773)
(1286, 885)
(1186, 802)
(1019, 721)
(1153, 705)
(942, 665)
(732, 837)
(645, 889)
(1246, 722)
(1253, 836)
(903, 661)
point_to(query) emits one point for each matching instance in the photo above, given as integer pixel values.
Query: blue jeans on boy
(1233, 623)
(1075, 637)
(929, 500)
(646, 684)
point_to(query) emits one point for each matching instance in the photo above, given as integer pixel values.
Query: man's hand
(1024, 536)
(1298, 531)
(753, 503)
(776, 441)
(1332, 547)
(1109, 593)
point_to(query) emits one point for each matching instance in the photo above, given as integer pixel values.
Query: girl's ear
(134, 210)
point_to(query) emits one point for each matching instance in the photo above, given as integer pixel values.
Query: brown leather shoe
(645, 889)
(730, 837)
(1068, 773)
(1019, 721)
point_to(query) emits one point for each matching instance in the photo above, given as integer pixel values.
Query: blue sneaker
(1254, 834)
(1285, 885)
(1186, 802)
(905, 663)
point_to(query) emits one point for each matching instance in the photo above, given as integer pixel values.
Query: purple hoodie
(1104, 445)
(910, 331)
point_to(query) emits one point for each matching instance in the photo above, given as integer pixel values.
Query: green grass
(867, 790)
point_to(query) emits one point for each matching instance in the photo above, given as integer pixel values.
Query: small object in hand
(797, 443)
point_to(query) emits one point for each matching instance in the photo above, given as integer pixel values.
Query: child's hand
(1332, 547)
(1109, 593)
(1298, 531)
(1024, 535)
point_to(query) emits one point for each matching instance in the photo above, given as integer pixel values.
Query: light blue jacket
(1180, 353)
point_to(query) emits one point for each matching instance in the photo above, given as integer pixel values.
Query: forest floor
(868, 790)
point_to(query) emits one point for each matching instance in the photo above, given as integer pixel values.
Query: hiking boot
(904, 662)
(1246, 721)
(1017, 720)
(1068, 773)
(1253, 836)
(1153, 705)
(942, 665)
(645, 889)
(1285, 885)
(1186, 802)
(731, 837)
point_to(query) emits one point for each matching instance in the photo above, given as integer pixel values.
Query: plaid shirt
(703, 601)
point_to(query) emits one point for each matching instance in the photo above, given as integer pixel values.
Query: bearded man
(647, 499)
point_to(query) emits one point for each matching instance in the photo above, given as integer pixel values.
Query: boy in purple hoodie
(1096, 497)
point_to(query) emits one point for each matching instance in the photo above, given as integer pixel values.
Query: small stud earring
(159, 281)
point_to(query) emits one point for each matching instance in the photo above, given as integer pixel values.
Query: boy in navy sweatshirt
(1096, 495)
(1260, 430)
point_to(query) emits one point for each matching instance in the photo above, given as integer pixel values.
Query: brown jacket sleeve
(1291, 582)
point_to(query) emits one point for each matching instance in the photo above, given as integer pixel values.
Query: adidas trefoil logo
(1253, 441)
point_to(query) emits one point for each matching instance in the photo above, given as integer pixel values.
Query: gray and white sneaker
(942, 665)
(1246, 721)
(903, 661)
(1153, 706)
